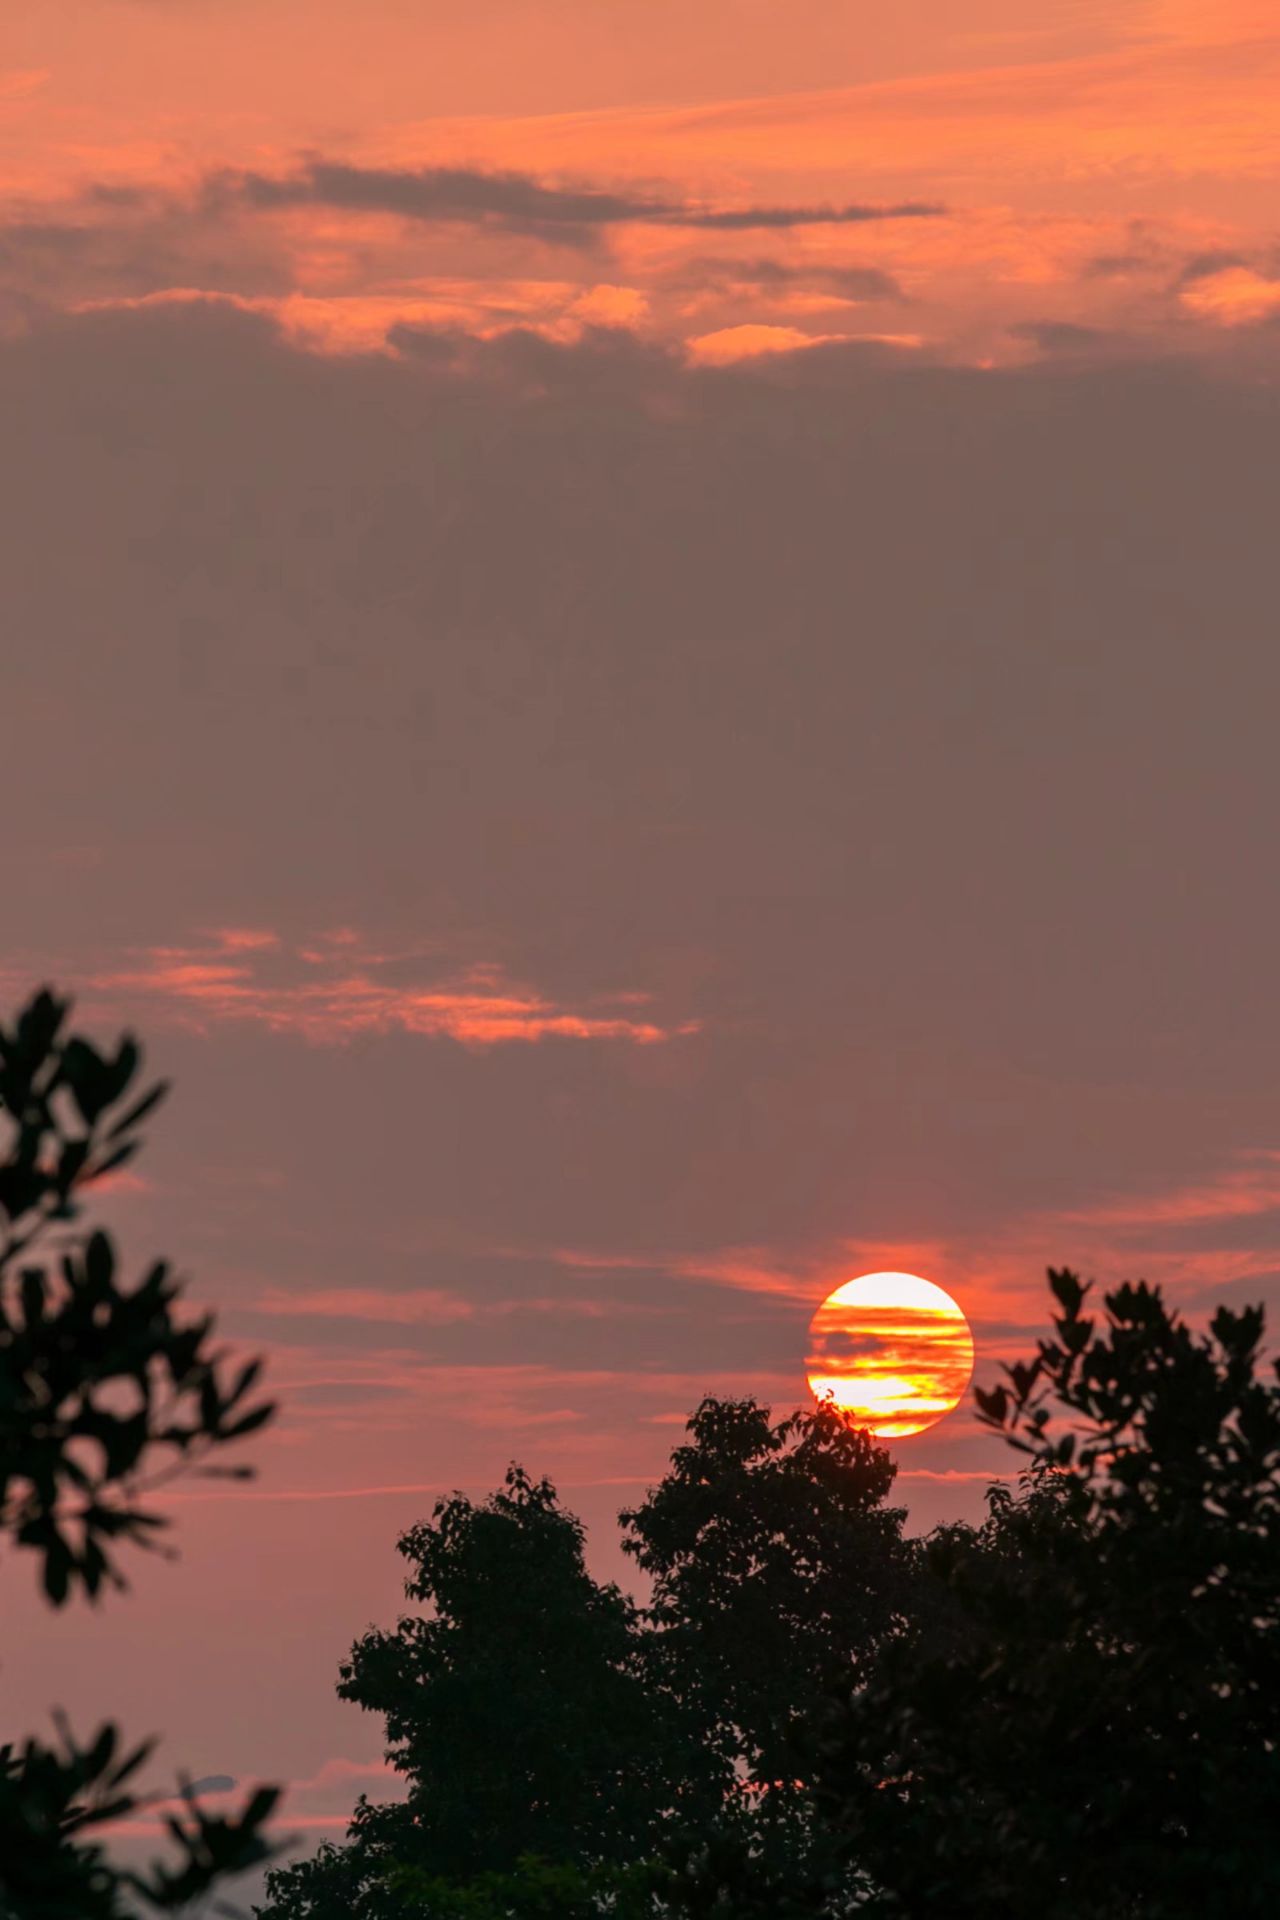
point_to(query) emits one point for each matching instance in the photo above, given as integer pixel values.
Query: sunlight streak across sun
(892, 1351)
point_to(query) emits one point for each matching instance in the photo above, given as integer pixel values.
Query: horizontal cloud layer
(339, 987)
(521, 202)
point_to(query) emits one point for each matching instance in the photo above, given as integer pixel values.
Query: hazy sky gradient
(635, 749)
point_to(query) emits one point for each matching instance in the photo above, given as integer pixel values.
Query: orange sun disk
(892, 1351)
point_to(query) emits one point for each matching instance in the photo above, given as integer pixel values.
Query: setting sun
(893, 1351)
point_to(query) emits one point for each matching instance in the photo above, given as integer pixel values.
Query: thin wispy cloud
(319, 1803)
(340, 988)
(19, 83)
(422, 1306)
(427, 1306)
(1244, 1190)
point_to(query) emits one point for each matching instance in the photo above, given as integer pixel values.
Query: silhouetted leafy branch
(106, 1390)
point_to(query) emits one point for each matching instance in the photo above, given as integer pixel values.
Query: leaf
(993, 1403)
(117, 1158)
(1067, 1290)
(139, 1110)
(261, 1804)
(250, 1422)
(33, 1296)
(124, 1066)
(99, 1263)
(250, 1372)
(70, 1161)
(86, 1073)
(38, 1025)
(58, 1567)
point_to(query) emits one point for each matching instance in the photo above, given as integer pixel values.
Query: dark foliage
(340, 1882)
(547, 1728)
(515, 1706)
(1102, 1735)
(777, 1569)
(101, 1384)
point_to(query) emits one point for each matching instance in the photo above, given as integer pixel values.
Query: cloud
(1064, 337)
(729, 344)
(395, 1389)
(431, 1306)
(1234, 296)
(610, 306)
(857, 283)
(117, 245)
(320, 1803)
(1204, 265)
(423, 1307)
(1118, 265)
(338, 989)
(521, 203)
(743, 1270)
(765, 275)
(1243, 1191)
(19, 83)
(1030, 149)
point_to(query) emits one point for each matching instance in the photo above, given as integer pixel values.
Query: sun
(892, 1351)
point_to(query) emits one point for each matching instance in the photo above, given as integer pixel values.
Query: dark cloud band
(519, 202)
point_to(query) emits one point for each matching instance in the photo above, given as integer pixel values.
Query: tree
(776, 1569)
(339, 1882)
(561, 1745)
(1100, 1734)
(100, 1383)
(515, 1706)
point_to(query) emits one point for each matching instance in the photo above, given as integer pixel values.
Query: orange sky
(1105, 170)
(645, 653)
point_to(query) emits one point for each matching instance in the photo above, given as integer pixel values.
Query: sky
(640, 643)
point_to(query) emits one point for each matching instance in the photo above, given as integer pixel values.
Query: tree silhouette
(558, 1743)
(516, 1707)
(1100, 1732)
(100, 1385)
(347, 1883)
(776, 1569)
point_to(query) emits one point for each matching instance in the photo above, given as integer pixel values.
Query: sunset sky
(640, 640)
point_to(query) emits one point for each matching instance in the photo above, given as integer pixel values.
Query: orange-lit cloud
(744, 342)
(1236, 1192)
(741, 1270)
(1236, 297)
(1051, 144)
(338, 990)
(609, 306)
